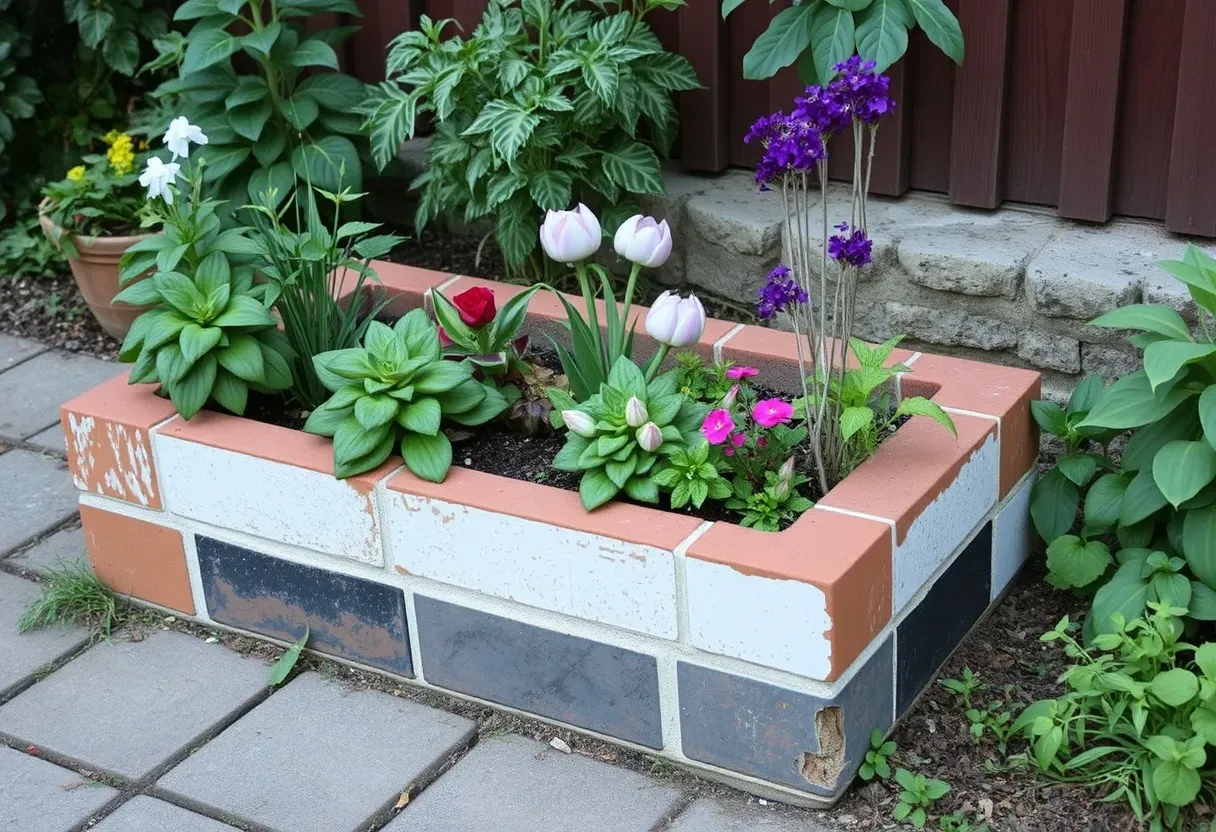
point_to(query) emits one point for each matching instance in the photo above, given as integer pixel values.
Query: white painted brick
(572, 572)
(268, 499)
(777, 623)
(945, 523)
(1012, 536)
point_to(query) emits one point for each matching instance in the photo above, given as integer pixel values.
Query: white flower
(635, 413)
(649, 437)
(180, 134)
(157, 177)
(579, 422)
(571, 236)
(674, 321)
(643, 241)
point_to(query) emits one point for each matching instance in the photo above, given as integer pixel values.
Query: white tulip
(675, 321)
(643, 241)
(635, 412)
(571, 236)
(579, 422)
(157, 177)
(649, 437)
(180, 134)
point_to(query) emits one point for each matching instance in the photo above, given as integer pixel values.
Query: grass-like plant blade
(283, 667)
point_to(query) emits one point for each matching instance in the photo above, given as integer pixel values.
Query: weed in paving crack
(72, 595)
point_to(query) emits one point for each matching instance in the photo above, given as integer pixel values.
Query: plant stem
(652, 368)
(619, 348)
(580, 270)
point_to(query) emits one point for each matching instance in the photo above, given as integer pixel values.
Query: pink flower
(717, 426)
(728, 451)
(772, 412)
(738, 439)
(742, 372)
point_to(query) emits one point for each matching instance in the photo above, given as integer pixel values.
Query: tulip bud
(782, 490)
(786, 471)
(728, 401)
(579, 422)
(676, 322)
(635, 412)
(571, 236)
(650, 437)
(643, 241)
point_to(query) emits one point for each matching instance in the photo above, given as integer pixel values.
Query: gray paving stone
(147, 814)
(315, 756)
(36, 796)
(37, 495)
(14, 350)
(513, 784)
(30, 393)
(711, 815)
(51, 440)
(62, 549)
(24, 653)
(145, 701)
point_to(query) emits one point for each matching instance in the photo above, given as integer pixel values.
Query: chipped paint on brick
(118, 464)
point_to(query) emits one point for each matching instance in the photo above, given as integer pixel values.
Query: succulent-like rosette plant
(397, 389)
(209, 336)
(614, 455)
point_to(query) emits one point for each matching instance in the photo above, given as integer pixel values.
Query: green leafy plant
(19, 93)
(309, 270)
(917, 796)
(1136, 717)
(475, 329)
(71, 595)
(708, 384)
(820, 34)
(278, 123)
(545, 104)
(995, 719)
(114, 28)
(959, 822)
(620, 438)
(281, 669)
(767, 507)
(877, 761)
(99, 198)
(1155, 506)
(692, 478)
(210, 335)
(396, 390)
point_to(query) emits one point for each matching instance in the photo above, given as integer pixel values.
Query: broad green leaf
(1053, 504)
(1050, 417)
(191, 392)
(601, 74)
(244, 311)
(428, 457)
(1141, 499)
(1085, 394)
(1197, 277)
(920, 406)
(121, 51)
(1148, 317)
(299, 112)
(442, 376)
(179, 292)
(143, 293)
(635, 168)
(262, 40)
(1074, 562)
(1080, 469)
(1103, 501)
(373, 411)
(242, 357)
(1181, 423)
(332, 90)
(851, 5)
(314, 52)
(222, 160)
(1164, 359)
(940, 25)
(329, 163)
(595, 489)
(1130, 403)
(1126, 593)
(249, 119)
(781, 43)
(1203, 722)
(1175, 687)
(1199, 543)
(516, 231)
(280, 670)
(196, 341)
(882, 32)
(1182, 468)
(206, 48)
(832, 36)
(729, 6)
(93, 25)
(1203, 602)
(550, 190)
(509, 126)
(854, 419)
(421, 416)
(230, 392)
(1207, 413)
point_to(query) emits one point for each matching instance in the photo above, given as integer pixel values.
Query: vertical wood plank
(1091, 114)
(931, 93)
(749, 100)
(892, 173)
(977, 145)
(382, 21)
(704, 124)
(1192, 208)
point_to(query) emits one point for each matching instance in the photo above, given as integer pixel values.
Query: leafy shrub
(1136, 718)
(275, 125)
(114, 28)
(620, 437)
(396, 390)
(309, 270)
(822, 33)
(97, 198)
(545, 104)
(877, 758)
(1158, 499)
(916, 796)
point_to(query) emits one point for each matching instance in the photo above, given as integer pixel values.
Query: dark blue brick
(574, 680)
(348, 617)
(781, 735)
(929, 634)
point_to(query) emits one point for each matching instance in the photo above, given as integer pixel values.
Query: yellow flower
(120, 154)
(111, 137)
(76, 173)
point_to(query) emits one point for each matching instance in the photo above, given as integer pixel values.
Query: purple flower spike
(790, 144)
(851, 248)
(779, 292)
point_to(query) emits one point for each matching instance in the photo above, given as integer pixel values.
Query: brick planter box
(764, 660)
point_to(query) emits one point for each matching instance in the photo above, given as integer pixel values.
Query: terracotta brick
(137, 558)
(109, 442)
(808, 599)
(404, 286)
(1001, 392)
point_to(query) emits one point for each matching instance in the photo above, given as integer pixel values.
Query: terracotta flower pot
(96, 273)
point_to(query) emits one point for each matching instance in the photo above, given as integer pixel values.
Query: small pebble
(211, 640)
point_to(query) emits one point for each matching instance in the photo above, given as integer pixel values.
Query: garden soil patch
(51, 310)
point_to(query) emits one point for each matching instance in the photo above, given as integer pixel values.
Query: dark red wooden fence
(1094, 107)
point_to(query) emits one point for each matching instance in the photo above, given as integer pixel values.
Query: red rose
(476, 306)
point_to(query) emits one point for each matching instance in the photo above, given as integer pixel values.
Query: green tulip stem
(656, 362)
(580, 269)
(629, 287)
